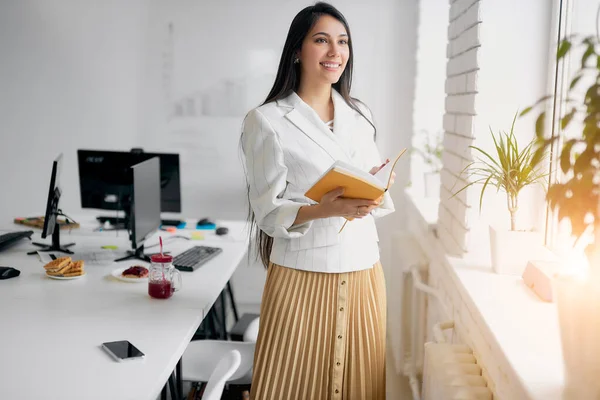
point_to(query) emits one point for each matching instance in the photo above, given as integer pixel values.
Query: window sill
(521, 331)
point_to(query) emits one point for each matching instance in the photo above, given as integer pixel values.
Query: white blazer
(287, 148)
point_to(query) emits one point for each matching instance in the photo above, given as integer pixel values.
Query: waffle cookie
(73, 268)
(74, 273)
(57, 265)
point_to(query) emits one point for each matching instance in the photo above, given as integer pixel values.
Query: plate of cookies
(64, 268)
(134, 274)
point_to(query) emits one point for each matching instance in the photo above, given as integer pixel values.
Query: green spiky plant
(509, 171)
(577, 198)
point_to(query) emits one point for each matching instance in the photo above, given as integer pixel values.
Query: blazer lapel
(307, 120)
(343, 121)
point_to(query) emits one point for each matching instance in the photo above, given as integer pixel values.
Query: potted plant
(430, 149)
(577, 199)
(510, 170)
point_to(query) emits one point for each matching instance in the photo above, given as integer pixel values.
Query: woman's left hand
(374, 170)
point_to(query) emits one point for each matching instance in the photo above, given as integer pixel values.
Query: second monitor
(105, 179)
(145, 206)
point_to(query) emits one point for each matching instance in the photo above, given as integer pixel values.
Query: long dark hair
(288, 80)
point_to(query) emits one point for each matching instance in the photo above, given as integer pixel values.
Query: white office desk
(51, 330)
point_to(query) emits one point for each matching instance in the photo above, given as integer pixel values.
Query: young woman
(323, 322)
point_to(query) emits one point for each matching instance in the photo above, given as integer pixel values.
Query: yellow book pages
(355, 187)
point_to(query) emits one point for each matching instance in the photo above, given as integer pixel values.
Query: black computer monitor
(105, 179)
(145, 206)
(51, 226)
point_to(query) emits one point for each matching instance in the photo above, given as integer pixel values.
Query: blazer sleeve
(266, 174)
(371, 155)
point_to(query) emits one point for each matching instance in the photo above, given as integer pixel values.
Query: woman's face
(324, 52)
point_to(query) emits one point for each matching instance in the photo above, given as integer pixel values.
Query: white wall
(113, 75)
(430, 96)
(204, 71)
(68, 80)
(385, 79)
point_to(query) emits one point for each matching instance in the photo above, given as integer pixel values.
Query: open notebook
(357, 184)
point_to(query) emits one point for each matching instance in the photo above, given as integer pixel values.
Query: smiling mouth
(331, 66)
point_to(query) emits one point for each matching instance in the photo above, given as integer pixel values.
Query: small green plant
(431, 150)
(509, 171)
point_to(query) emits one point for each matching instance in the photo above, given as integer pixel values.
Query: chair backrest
(251, 333)
(225, 368)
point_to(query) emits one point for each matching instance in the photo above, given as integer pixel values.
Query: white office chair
(251, 332)
(226, 367)
(200, 356)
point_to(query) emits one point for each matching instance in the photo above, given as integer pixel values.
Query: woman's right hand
(333, 205)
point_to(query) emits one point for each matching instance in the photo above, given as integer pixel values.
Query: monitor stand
(137, 255)
(55, 246)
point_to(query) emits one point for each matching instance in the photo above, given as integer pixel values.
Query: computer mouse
(9, 272)
(205, 221)
(222, 230)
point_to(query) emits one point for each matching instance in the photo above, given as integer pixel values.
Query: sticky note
(197, 236)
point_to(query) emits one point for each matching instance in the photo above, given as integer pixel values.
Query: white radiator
(451, 372)
(407, 306)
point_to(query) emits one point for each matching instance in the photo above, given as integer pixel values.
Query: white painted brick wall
(462, 63)
(461, 90)
(471, 79)
(467, 40)
(464, 19)
(457, 143)
(456, 84)
(461, 104)
(449, 123)
(464, 127)
(450, 183)
(454, 163)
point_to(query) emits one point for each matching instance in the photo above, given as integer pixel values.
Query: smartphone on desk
(123, 350)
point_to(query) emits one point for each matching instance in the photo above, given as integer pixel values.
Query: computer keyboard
(6, 239)
(195, 257)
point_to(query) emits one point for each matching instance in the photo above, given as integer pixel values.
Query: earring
(296, 60)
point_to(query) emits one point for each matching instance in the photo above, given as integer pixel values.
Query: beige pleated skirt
(321, 336)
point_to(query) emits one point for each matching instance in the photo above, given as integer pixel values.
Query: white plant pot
(511, 250)
(578, 303)
(432, 184)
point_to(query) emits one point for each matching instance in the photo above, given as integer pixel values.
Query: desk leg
(223, 315)
(179, 378)
(233, 306)
(174, 393)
